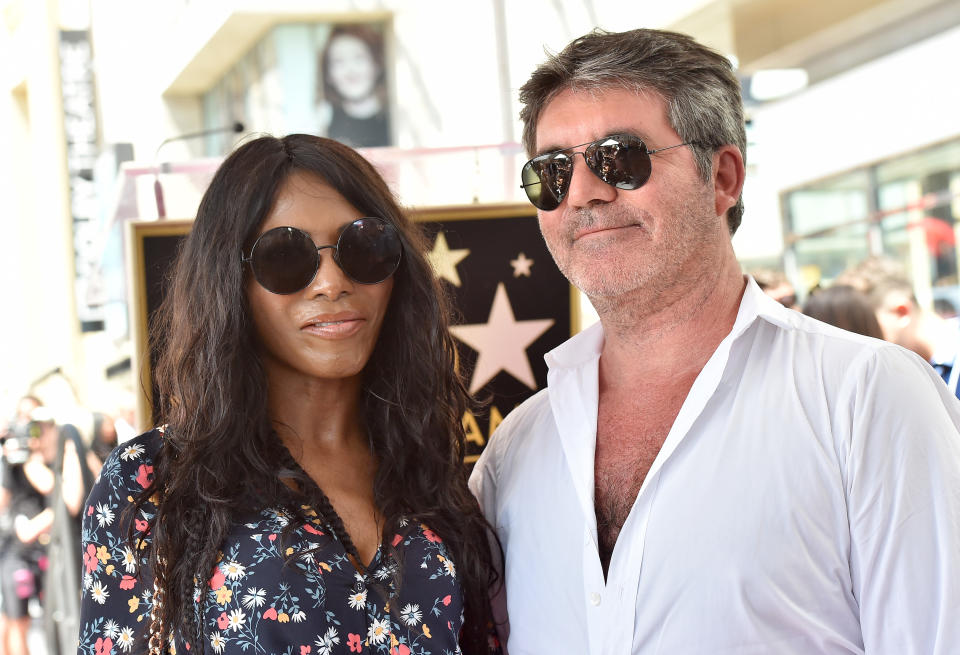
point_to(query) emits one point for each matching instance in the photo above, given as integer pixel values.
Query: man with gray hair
(707, 471)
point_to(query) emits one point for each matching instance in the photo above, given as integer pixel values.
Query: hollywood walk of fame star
(521, 265)
(501, 343)
(444, 260)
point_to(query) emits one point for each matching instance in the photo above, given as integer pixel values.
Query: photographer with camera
(21, 523)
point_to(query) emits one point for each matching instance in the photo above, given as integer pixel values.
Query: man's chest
(630, 433)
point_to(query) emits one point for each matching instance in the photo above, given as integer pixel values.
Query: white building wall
(898, 103)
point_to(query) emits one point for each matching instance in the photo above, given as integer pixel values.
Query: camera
(16, 442)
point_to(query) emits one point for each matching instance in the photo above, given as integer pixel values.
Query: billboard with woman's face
(319, 78)
(351, 89)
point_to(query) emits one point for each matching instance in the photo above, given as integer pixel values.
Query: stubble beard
(607, 271)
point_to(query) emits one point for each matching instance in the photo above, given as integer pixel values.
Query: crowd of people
(47, 468)
(875, 298)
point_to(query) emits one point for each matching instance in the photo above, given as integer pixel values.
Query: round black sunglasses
(285, 260)
(620, 160)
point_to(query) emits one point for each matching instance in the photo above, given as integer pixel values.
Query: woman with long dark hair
(306, 492)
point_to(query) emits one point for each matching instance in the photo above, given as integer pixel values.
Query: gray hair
(698, 84)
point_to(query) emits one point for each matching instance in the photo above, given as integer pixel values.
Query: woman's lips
(334, 327)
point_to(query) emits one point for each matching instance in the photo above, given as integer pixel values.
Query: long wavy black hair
(220, 455)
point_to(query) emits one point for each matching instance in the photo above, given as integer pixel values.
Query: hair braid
(321, 504)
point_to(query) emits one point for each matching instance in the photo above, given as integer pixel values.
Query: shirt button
(595, 599)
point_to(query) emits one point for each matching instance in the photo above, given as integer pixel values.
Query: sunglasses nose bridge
(590, 186)
(329, 280)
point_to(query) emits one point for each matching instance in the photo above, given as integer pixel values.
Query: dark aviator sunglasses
(620, 160)
(285, 260)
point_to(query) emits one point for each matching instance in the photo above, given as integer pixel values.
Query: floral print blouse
(318, 604)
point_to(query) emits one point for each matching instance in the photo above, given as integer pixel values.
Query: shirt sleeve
(116, 598)
(483, 484)
(902, 478)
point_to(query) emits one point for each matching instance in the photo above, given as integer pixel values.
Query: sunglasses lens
(546, 179)
(369, 250)
(620, 161)
(284, 260)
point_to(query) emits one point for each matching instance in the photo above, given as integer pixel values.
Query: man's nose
(585, 187)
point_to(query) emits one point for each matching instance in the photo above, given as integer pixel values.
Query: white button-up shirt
(806, 501)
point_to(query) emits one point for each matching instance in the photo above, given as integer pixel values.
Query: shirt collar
(585, 347)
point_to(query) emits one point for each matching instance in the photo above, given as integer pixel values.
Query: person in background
(353, 107)
(903, 321)
(776, 285)
(706, 471)
(844, 307)
(102, 442)
(20, 554)
(306, 492)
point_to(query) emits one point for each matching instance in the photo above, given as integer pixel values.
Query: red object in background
(938, 232)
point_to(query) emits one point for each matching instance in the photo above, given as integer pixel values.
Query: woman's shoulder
(127, 471)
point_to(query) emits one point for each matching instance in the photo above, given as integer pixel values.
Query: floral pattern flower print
(266, 595)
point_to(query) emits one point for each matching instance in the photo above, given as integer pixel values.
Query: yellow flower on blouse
(103, 555)
(134, 604)
(224, 595)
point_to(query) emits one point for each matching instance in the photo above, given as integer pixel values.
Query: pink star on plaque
(501, 343)
(521, 265)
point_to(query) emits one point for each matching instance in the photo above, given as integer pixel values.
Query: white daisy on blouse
(132, 451)
(129, 561)
(125, 640)
(326, 643)
(411, 614)
(111, 629)
(451, 569)
(236, 619)
(87, 580)
(218, 642)
(382, 573)
(99, 593)
(104, 515)
(378, 631)
(254, 598)
(233, 570)
(358, 600)
(298, 617)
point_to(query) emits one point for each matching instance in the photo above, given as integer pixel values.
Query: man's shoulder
(528, 416)
(817, 350)
(530, 420)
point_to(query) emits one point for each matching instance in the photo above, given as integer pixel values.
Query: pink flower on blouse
(144, 475)
(128, 582)
(90, 561)
(218, 578)
(354, 642)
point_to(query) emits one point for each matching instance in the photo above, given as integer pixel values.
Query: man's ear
(728, 175)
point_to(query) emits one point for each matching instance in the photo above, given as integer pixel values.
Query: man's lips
(597, 230)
